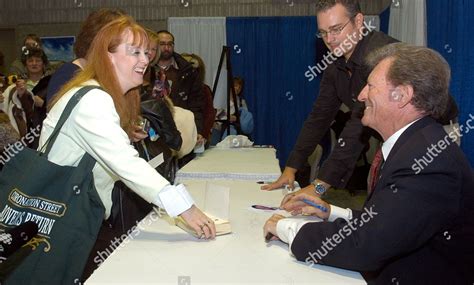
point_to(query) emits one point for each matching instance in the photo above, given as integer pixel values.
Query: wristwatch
(319, 188)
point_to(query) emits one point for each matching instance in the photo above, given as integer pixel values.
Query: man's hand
(286, 178)
(204, 226)
(309, 190)
(298, 207)
(270, 227)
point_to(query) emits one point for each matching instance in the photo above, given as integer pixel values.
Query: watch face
(320, 189)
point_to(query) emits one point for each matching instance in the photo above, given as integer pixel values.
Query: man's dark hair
(165, 32)
(91, 26)
(352, 6)
(422, 68)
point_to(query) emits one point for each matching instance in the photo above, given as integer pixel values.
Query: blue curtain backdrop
(385, 20)
(272, 55)
(450, 28)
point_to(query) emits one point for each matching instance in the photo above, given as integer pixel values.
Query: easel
(230, 91)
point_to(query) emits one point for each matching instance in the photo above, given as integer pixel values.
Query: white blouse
(94, 127)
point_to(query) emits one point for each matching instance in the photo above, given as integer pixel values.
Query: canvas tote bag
(64, 203)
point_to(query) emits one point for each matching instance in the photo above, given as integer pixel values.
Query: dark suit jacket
(418, 226)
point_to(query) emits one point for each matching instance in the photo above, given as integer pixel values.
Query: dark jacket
(421, 223)
(338, 87)
(187, 92)
(62, 75)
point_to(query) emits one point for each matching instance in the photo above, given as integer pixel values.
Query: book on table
(216, 207)
(222, 226)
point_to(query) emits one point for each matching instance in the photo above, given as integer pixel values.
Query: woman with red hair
(102, 121)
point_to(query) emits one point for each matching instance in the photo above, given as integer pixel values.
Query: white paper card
(157, 160)
(216, 200)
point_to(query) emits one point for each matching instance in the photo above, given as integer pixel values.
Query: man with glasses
(186, 90)
(341, 26)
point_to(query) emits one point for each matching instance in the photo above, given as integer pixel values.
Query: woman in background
(18, 100)
(246, 123)
(89, 28)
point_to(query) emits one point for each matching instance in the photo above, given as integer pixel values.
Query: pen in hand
(320, 207)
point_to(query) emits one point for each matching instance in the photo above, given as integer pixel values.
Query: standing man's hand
(286, 178)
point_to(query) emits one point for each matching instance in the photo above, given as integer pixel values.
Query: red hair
(100, 68)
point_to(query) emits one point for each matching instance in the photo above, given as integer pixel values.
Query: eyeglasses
(333, 31)
(170, 44)
(135, 51)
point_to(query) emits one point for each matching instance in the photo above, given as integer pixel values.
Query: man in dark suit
(417, 226)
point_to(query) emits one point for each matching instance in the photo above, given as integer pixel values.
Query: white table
(164, 254)
(254, 164)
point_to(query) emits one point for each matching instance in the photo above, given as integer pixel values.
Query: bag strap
(65, 115)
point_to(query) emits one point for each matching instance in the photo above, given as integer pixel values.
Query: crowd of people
(154, 100)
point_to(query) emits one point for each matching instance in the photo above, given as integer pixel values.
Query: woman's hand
(39, 102)
(196, 219)
(137, 134)
(20, 87)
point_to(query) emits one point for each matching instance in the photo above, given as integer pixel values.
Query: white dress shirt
(390, 142)
(94, 127)
(288, 228)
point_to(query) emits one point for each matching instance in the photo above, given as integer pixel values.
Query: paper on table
(286, 214)
(216, 200)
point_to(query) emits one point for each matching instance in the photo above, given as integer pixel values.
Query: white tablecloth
(161, 253)
(254, 164)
